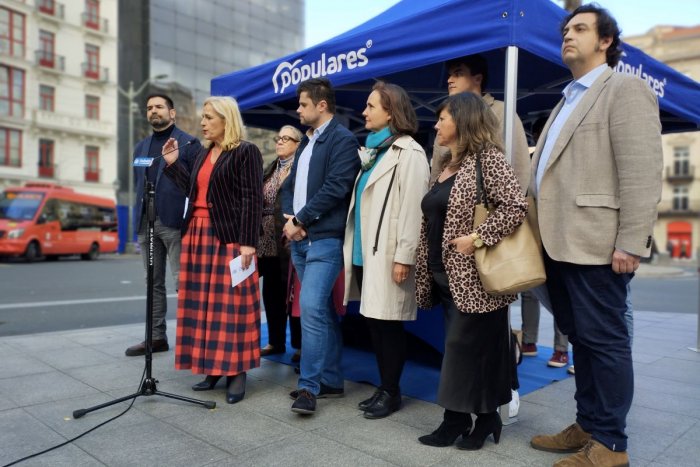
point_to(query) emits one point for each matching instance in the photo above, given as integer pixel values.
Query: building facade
(678, 229)
(180, 45)
(58, 103)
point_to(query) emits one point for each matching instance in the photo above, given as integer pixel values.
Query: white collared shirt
(300, 182)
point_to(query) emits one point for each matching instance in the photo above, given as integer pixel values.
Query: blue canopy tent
(408, 44)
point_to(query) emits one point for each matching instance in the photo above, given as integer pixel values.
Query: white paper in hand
(238, 274)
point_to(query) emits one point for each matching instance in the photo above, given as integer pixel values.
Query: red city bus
(42, 219)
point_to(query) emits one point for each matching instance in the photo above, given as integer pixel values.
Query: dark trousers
(589, 306)
(389, 343)
(275, 299)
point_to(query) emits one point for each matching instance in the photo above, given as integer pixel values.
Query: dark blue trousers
(588, 303)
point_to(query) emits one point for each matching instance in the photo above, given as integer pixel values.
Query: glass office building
(192, 41)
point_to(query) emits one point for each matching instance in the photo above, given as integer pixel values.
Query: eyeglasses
(284, 139)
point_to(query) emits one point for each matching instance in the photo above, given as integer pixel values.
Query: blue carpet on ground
(420, 380)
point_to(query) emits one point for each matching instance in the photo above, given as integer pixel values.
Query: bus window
(50, 211)
(19, 206)
(80, 216)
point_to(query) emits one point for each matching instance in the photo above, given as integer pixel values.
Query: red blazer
(234, 198)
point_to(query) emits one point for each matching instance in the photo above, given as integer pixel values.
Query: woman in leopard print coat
(476, 368)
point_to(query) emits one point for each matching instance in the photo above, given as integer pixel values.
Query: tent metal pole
(510, 99)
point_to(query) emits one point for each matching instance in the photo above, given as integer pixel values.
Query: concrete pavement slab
(276, 373)
(663, 387)
(150, 443)
(369, 436)
(423, 416)
(43, 387)
(304, 450)
(684, 371)
(684, 452)
(58, 415)
(118, 374)
(96, 336)
(12, 366)
(478, 459)
(40, 342)
(234, 429)
(67, 456)
(22, 435)
(74, 357)
(663, 424)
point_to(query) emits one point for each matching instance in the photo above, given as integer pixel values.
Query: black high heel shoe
(235, 388)
(208, 383)
(486, 424)
(454, 425)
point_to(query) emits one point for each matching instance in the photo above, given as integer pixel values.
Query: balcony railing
(45, 120)
(50, 8)
(46, 171)
(673, 175)
(92, 175)
(50, 60)
(95, 23)
(99, 74)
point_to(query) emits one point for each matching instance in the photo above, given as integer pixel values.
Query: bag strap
(381, 216)
(481, 197)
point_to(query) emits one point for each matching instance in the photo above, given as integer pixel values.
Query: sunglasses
(284, 139)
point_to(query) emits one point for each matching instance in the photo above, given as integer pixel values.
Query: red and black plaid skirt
(218, 327)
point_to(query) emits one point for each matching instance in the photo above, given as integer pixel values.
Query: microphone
(148, 161)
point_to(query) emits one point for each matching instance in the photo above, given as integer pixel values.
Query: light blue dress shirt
(300, 182)
(573, 93)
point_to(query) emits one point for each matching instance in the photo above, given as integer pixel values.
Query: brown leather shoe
(571, 439)
(595, 454)
(159, 345)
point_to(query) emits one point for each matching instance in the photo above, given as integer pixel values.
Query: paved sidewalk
(44, 377)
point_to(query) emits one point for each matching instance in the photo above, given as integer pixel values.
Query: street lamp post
(130, 95)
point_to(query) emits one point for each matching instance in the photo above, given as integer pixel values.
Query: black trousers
(389, 343)
(274, 297)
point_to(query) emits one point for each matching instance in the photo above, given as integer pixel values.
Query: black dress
(476, 367)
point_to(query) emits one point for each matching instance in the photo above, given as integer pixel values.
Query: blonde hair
(477, 126)
(227, 108)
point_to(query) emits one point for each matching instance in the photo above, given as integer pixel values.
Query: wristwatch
(478, 242)
(297, 222)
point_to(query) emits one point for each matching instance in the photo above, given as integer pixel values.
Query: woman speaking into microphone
(218, 324)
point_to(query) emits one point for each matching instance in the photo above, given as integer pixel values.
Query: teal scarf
(376, 143)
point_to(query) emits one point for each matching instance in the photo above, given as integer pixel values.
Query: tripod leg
(80, 412)
(206, 404)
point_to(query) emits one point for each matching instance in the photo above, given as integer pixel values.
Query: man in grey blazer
(597, 179)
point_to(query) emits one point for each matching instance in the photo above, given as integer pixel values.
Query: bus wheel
(33, 252)
(93, 254)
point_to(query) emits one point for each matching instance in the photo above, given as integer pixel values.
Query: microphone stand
(148, 387)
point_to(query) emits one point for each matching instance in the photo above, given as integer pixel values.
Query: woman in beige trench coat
(382, 235)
